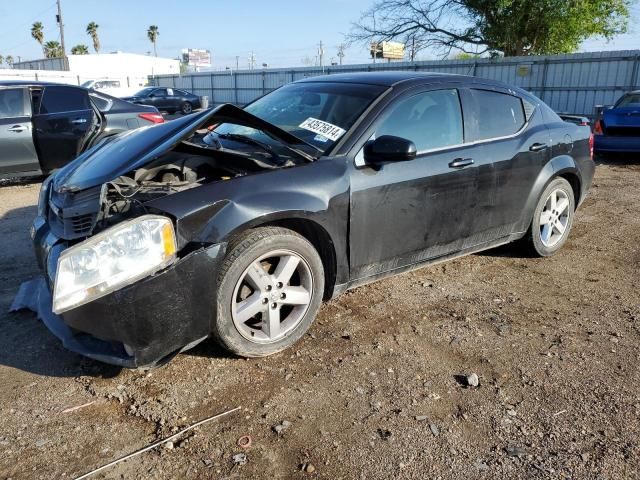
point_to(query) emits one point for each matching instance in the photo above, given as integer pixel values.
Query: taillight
(584, 124)
(597, 129)
(152, 117)
(591, 145)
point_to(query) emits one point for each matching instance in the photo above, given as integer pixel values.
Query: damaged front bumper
(139, 325)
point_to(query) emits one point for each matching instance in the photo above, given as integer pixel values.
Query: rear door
(514, 142)
(17, 152)
(63, 125)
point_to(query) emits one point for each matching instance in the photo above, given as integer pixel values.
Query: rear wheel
(186, 108)
(270, 289)
(552, 219)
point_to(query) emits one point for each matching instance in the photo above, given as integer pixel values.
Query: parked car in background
(237, 223)
(169, 100)
(575, 119)
(617, 127)
(43, 126)
(113, 87)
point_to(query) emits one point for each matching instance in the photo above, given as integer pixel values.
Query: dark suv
(43, 126)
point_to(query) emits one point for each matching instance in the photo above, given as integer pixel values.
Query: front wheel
(552, 219)
(270, 289)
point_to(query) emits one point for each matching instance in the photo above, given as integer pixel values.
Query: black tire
(186, 108)
(534, 237)
(243, 251)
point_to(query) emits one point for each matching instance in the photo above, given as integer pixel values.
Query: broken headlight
(113, 259)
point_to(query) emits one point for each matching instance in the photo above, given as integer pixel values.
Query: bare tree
(511, 27)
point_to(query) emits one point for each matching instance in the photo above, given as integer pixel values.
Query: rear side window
(12, 103)
(63, 99)
(499, 114)
(629, 100)
(102, 103)
(431, 120)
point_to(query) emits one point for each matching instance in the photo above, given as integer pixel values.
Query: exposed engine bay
(199, 160)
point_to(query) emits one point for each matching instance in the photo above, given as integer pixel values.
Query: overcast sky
(280, 32)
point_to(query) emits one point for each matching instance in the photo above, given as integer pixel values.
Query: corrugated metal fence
(568, 83)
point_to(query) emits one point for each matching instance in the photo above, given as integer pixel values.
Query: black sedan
(236, 224)
(170, 100)
(43, 126)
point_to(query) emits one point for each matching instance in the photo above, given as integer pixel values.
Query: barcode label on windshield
(326, 129)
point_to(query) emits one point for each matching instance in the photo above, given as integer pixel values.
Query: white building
(129, 69)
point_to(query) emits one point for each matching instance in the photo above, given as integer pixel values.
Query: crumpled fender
(317, 192)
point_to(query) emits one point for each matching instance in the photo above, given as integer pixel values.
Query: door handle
(461, 162)
(538, 147)
(18, 128)
(79, 121)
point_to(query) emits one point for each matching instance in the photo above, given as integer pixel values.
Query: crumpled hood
(118, 155)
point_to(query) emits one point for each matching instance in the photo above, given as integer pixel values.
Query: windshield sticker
(326, 129)
(320, 138)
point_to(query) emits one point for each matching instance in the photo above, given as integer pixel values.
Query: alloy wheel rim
(272, 296)
(554, 218)
(186, 108)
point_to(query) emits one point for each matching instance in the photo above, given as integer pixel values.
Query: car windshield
(629, 100)
(317, 113)
(144, 92)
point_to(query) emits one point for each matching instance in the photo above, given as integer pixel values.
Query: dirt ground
(373, 390)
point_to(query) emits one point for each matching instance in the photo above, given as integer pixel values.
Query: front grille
(73, 215)
(623, 131)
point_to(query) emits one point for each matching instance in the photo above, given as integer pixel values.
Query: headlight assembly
(113, 259)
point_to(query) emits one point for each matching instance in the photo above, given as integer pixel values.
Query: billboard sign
(388, 50)
(195, 57)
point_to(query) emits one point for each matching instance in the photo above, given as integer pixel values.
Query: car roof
(32, 83)
(389, 79)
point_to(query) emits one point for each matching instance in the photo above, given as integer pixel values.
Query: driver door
(406, 212)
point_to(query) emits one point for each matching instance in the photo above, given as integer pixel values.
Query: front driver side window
(431, 120)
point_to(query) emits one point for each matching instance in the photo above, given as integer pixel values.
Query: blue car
(618, 129)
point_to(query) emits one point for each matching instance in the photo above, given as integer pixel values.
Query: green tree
(37, 32)
(510, 27)
(152, 35)
(1, 59)
(92, 31)
(80, 50)
(52, 49)
(9, 61)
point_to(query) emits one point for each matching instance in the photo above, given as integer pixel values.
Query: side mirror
(388, 148)
(152, 95)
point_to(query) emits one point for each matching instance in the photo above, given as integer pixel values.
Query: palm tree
(92, 31)
(52, 49)
(152, 34)
(80, 50)
(37, 33)
(9, 61)
(1, 59)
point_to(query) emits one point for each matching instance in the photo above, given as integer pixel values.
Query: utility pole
(321, 56)
(341, 52)
(237, 62)
(413, 49)
(61, 25)
(252, 61)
